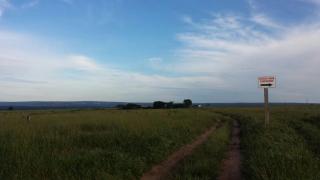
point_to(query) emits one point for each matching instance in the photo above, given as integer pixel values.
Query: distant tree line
(129, 106)
(187, 103)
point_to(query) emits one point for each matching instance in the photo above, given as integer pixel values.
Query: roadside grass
(205, 162)
(94, 144)
(306, 121)
(313, 119)
(310, 133)
(276, 152)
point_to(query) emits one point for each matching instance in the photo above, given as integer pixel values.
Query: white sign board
(267, 82)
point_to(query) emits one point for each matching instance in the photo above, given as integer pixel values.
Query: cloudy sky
(146, 50)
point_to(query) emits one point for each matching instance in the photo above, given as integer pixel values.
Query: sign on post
(266, 82)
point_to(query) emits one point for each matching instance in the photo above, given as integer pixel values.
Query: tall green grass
(306, 121)
(123, 144)
(279, 151)
(206, 160)
(94, 144)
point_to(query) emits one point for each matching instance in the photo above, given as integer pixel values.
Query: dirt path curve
(231, 165)
(161, 170)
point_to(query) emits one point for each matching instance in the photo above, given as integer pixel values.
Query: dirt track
(161, 170)
(231, 165)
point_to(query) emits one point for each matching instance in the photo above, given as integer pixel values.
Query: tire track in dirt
(231, 165)
(160, 171)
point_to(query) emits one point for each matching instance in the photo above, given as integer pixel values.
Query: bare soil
(161, 170)
(231, 165)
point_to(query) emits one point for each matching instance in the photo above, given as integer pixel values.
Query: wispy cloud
(155, 62)
(266, 21)
(17, 80)
(83, 63)
(30, 4)
(258, 16)
(317, 2)
(236, 51)
(4, 5)
(219, 59)
(32, 73)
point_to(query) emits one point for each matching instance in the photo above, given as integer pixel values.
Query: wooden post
(266, 107)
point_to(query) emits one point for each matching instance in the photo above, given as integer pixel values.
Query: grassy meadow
(206, 161)
(94, 144)
(123, 144)
(288, 149)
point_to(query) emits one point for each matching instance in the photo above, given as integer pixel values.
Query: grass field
(102, 144)
(123, 144)
(287, 149)
(205, 162)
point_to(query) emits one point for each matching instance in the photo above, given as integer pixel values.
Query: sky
(148, 50)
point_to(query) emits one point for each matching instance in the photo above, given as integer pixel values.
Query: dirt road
(231, 165)
(161, 170)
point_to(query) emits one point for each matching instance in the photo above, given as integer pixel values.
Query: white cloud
(83, 63)
(31, 70)
(266, 21)
(237, 52)
(219, 60)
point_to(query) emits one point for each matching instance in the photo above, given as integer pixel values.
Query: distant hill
(61, 104)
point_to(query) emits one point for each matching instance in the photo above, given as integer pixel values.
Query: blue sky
(146, 50)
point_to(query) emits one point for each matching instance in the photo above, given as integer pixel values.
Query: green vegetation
(123, 144)
(94, 144)
(206, 160)
(287, 149)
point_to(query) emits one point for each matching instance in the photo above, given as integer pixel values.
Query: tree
(132, 106)
(169, 105)
(179, 105)
(129, 106)
(158, 105)
(120, 106)
(187, 103)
